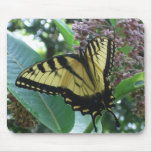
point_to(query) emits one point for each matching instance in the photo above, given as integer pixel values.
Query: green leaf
(67, 33)
(49, 110)
(81, 122)
(113, 22)
(129, 85)
(126, 49)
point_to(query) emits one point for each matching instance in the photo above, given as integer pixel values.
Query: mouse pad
(75, 76)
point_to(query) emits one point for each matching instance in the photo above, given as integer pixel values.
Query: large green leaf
(129, 85)
(66, 32)
(49, 110)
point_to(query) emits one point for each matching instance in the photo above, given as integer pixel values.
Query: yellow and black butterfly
(81, 79)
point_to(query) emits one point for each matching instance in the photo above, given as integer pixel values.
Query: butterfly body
(81, 79)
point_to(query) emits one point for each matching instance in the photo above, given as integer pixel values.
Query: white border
(75, 9)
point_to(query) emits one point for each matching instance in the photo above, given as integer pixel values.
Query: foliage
(43, 30)
(51, 111)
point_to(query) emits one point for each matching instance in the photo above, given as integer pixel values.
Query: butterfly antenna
(116, 120)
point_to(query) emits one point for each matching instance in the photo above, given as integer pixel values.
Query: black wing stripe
(98, 45)
(40, 67)
(51, 64)
(87, 68)
(109, 58)
(94, 48)
(91, 56)
(112, 57)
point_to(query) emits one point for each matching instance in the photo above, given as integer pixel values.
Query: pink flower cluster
(139, 110)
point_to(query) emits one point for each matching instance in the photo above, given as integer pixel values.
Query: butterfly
(82, 79)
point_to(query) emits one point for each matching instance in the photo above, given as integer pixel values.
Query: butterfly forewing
(53, 76)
